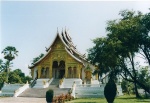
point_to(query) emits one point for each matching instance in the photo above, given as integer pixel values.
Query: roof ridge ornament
(65, 30)
(57, 31)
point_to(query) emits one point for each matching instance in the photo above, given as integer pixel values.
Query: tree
(9, 54)
(14, 78)
(144, 76)
(19, 76)
(117, 53)
(97, 55)
(129, 31)
(145, 40)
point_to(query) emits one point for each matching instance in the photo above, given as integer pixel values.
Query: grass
(121, 99)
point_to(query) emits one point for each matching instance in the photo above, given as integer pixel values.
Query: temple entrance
(62, 73)
(58, 69)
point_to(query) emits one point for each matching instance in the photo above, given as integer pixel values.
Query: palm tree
(9, 54)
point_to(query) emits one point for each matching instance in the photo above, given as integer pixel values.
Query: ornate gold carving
(59, 53)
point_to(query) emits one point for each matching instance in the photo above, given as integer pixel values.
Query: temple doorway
(58, 69)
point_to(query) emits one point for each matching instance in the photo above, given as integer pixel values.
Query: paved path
(22, 100)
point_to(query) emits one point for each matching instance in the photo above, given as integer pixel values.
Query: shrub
(49, 95)
(110, 91)
(62, 98)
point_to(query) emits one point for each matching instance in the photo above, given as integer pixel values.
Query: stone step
(41, 92)
(55, 82)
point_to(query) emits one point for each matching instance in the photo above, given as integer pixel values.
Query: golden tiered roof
(69, 47)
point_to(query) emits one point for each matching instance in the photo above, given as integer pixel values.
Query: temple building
(63, 60)
(62, 69)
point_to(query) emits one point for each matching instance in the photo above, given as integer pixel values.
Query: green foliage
(14, 78)
(125, 84)
(110, 91)
(37, 58)
(126, 37)
(9, 53)
(2, 79)
(49, 95)
(26, 78)
(144, 76)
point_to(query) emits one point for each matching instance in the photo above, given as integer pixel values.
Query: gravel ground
(22, 100)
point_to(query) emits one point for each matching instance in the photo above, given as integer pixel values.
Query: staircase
(67, 83)
(55, 82)
(41, 92)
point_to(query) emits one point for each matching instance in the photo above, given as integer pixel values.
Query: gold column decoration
(39, 72)
(50, 71)
(78, 71)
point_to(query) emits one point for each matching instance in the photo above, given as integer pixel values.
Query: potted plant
(49, 96)
(110, 91)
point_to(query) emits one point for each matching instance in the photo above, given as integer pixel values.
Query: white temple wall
(35, 73)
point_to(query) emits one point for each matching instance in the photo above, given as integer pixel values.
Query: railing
(33, 83)
(72, 91)
(21, 89)
(47, 83)
(90, 85)
(9, 89)
(61, 84)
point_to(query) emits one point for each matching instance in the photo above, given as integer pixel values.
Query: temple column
(32, 73)
(66, 71)
(39, 71)
(78, 71)
(50, 68)
(50, 71)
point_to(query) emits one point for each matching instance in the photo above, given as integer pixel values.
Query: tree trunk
(7, 75)
(136, 91)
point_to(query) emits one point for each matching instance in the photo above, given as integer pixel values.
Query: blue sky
(30, 26)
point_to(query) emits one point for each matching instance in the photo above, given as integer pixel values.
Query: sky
(30, 26)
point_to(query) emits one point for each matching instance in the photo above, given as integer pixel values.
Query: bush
(49, 95)
(110, 91)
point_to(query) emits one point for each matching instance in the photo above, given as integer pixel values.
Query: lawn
(121, 99)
